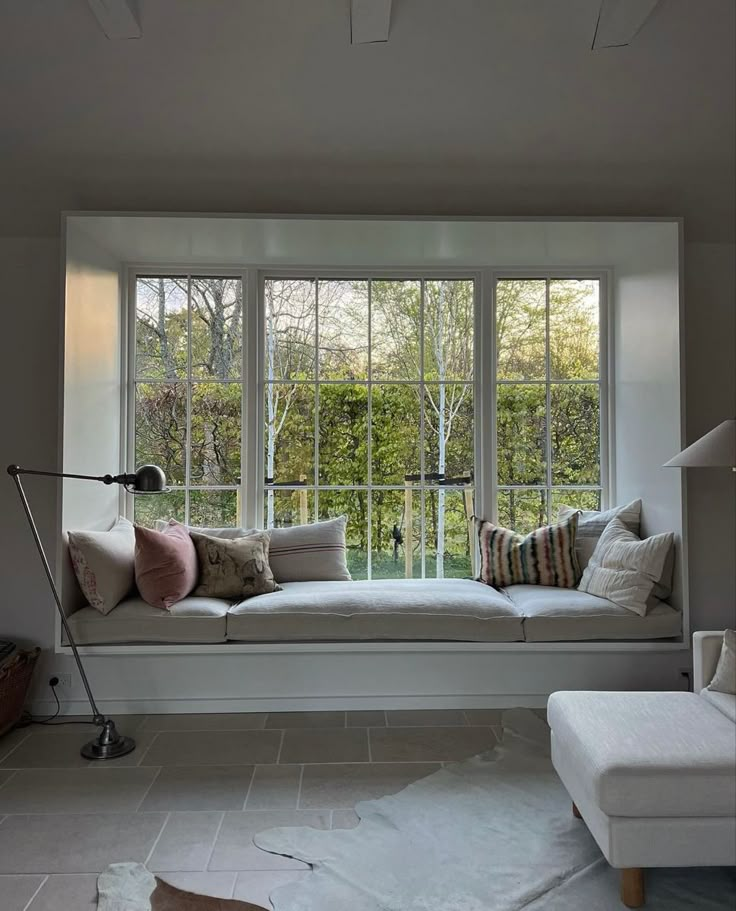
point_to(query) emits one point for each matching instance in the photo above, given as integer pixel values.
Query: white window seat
(417, 610)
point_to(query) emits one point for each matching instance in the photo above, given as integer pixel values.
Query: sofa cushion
(569, 615)
(402, 609)
(593, 522)
(647, 754)
(189, 620)
(724, 702)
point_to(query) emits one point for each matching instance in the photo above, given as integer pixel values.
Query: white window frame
(484, 383)
(368, 275)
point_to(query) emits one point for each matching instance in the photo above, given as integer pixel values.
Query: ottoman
(653, 775)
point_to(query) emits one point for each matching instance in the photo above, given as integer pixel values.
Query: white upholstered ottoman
(652, 774)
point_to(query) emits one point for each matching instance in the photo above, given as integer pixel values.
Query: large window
(360, 398)
(188, 393)
(548, 398)
(368, 412)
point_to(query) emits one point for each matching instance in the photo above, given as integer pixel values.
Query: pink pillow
(166, 565)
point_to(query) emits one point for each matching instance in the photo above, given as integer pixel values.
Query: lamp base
(109, 745)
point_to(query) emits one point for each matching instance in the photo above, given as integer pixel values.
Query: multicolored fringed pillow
(544, 557)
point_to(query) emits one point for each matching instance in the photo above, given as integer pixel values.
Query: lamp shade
(148, 479)
(717, 449)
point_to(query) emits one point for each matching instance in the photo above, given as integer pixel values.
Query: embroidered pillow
(724, 679)
(165, 564)
(592, 522)
(310, 553)
(624, 569)
(104, 564)
(233, 568)
(544, 557)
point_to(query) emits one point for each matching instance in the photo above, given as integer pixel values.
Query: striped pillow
(544, 557)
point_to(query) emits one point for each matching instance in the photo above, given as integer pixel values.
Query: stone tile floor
(190, 798)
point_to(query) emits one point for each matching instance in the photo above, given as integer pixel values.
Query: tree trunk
(169, 365)
(271, 429)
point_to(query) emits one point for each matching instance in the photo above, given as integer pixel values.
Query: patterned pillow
(104, 564)
(233, 568)
(544, 557)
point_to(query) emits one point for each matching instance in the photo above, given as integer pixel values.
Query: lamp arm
(15, 470)
(98, 719)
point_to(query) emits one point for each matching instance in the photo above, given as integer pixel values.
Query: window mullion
(188, 441)
(316, 398)
(548, 400)
(422, 447)
(369, 536)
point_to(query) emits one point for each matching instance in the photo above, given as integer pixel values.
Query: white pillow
(724, 679)
(310, 553)
(624, 569)
(592, 523)
(104, 564)
(228, 533)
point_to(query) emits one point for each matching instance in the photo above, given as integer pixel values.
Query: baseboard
(290, 704)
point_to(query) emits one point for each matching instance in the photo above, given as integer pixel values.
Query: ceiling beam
(619, 22)
(118, 19)
(370, 21)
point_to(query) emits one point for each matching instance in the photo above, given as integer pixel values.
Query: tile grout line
(156, 841)
(148, 789)
(385, 718)
(368, 738)
(299, 789)
(250, 787)
(214, 843)
(33, 897)
(148, 748)
(281, 746)
(10, 777)
(6, 756)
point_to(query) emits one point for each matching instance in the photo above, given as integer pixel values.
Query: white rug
(493, 833)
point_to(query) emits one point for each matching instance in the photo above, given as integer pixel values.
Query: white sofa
(379, 610)
(652, 774)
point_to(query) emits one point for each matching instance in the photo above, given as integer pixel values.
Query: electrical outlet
(65, 681)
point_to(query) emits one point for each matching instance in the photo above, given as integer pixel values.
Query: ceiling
(495, 107)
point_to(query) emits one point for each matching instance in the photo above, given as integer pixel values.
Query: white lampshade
(717, 449)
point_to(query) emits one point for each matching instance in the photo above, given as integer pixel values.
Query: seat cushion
(402, 609)
(724, 702)
(568, 615)
(647, 754)
(190, 620)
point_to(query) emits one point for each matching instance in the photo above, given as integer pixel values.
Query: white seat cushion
(401, 609)
(568, 615)
(724, 702)
(190, 620)
(647, 754)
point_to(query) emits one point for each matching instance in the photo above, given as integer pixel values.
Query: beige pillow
(233, 568)
(593, 522)
(104, 564)
(310, 553)
(624, 569)
(724, 679)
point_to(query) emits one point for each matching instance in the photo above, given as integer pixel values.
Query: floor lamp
(147, 479)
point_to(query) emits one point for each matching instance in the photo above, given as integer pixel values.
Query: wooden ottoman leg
(575, 812)
(632, 887)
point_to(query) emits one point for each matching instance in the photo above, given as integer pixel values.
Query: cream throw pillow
(724, 679)
(233, 568)
(592, 523)
(310, 553)
(104, 564)
(624, 569)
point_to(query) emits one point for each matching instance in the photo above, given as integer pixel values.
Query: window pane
(289, 433)
(161, 328)
(575, 434)
(577, 499)
(395, 433)
(283, 508)
(449, 536)
(213, 508)
(395, 328)
(448, 430)
(343, 330)
(146, 510)
(448, 330)
(354, 505)
(290, 328)
(215, 433)
(521, 329)
(343, 434)
(394, 528)
(521, 434)
(522, 510)
(574, 329)
(217, 313)
(161, 427)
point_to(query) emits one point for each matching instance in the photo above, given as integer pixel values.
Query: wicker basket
(15, 679)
